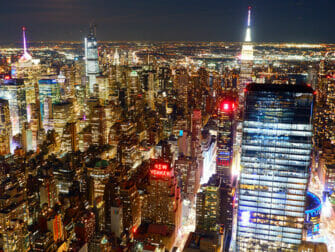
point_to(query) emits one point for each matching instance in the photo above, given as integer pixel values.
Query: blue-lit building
(275, 160)
(48, 88)
(313, 215)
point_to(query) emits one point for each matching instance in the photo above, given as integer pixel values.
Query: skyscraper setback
(276, 149)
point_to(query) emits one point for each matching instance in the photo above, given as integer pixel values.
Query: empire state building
(247, 57)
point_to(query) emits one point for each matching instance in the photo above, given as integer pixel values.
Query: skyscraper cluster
(135, 146)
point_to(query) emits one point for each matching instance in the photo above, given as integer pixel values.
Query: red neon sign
(162, 167)
(161, 170)
(223, 162)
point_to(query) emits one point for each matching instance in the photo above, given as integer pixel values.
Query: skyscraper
(163, 197)
(245, 77)
(224, 154)
(91, 57)
(48, 88)
(5, 128)
(208, 203)
(276, 148)
(14, 91)
(247, 56)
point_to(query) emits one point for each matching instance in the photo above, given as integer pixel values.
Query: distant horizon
(166, 41)
(299, 21)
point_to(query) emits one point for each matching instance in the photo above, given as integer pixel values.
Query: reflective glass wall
(275, 162)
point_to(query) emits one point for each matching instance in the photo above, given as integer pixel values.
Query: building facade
(276, 149)
(91, 57)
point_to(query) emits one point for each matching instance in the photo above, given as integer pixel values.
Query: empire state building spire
(26, 56)
(247, 47)
(248, 32)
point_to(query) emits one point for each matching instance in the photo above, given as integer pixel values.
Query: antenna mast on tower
(26, 55)
(248, 33)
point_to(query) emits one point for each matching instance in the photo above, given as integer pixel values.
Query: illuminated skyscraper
(131, 205)
(62, 114)
(91, 57)
(276, 149)
(5, 128)
(208, 205)
(162, 203)
(48, 88)
(26, 56)
(247, 56)
(116, 58)
(225, 140)
(13, 90)
(26, 64)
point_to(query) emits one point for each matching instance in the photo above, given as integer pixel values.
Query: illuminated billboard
(160, 169)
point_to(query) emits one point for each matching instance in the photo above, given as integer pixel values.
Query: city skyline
(167, 146)
(288, 21)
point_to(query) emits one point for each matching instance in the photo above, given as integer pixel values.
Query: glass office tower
(275, 160)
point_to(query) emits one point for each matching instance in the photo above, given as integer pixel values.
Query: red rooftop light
(227, 106)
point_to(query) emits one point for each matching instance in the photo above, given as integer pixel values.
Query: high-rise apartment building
(275, 161)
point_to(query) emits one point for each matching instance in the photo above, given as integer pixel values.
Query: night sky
(194, 20)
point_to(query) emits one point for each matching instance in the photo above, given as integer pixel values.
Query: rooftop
(280, 88)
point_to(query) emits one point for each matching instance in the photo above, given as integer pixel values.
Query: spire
(93, 29)
(248, 32)
(249, 15)
(116, 58)
(24, 40)
(26, 55)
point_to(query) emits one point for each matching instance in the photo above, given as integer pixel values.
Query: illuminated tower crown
(26, 56)
(247, 48)
(248, 32)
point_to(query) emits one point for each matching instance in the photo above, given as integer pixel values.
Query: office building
(225, 140)
(312, 247)
(13, 90)
(91, 58)
(208, 206)
(162, 203)
(275, 161)
(5, 128)
(48, 88)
